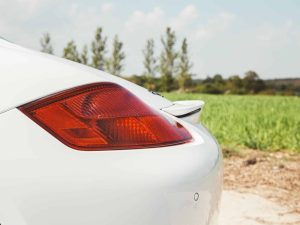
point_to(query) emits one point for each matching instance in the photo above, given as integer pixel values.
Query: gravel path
(251, 209)
(261, 189)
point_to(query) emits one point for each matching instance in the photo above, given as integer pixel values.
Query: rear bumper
(45, 182)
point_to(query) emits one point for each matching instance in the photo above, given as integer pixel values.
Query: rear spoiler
(187, 110)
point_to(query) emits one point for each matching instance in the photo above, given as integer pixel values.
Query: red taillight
(104, 116)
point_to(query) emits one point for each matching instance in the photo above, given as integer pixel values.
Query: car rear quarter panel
(26, 75)
(46, 182)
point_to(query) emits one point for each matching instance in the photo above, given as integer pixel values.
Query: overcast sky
(225, 36)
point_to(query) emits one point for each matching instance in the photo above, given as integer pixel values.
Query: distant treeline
(250, 83)
(170, 71)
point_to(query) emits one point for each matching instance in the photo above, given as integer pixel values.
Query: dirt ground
(261, 188)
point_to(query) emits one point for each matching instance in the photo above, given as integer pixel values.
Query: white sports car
(82, 147)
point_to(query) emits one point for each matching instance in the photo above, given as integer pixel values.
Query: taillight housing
(104, 116)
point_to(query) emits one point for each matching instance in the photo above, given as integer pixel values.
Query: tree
(150, 65)
(84, 59)
(234, 85)
(46, 45)
(184, 76)
(98, 50)
(114, 63)
(214, 85)
(71, 53)
(218, 78)
(251, 75)
(167, 60)
(149, 59)
(252, 82)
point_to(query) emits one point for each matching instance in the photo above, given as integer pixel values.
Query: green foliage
(84, 58)
(258, 122)
(98, 50)
(234, 85)
(71, 53)
(167, 60)
(139, 80)
(46, 45)
(151, 83)
(252, 82)
(150, 66)
(149, 59)
(184, 76)
(212, 85)
(114, 63)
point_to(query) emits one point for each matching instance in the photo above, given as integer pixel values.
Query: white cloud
(156, 19)
(139, 27)
(20, 9)
(141, 20)
(106, 7)
(78, 29)
(187, 16)
(142, 25)
(269, 35)
(215, 25)
(15, 15)
(73, 10)
(24, 21)
(31, 6)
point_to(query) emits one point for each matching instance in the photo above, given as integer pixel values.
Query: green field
(258, 122)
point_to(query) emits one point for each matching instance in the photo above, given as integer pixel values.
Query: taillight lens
(104, 116)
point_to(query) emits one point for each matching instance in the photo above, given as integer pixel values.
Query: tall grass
(257, 122)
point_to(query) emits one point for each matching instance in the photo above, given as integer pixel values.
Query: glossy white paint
(27, 75)
(180, 108)
(187, 110)
(45, 182)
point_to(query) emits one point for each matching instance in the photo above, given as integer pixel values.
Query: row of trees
(250, 83)
(98, 52)
(165, 73)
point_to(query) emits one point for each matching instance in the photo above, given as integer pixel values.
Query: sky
(224, 36)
